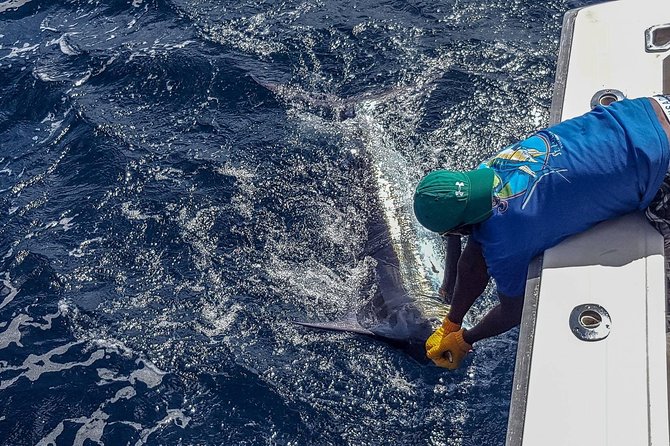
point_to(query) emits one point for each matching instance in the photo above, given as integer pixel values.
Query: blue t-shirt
(563, 180)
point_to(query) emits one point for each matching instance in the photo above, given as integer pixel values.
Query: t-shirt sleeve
(506, 265)
(510, 276)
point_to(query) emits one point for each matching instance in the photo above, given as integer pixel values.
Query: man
(533, 194)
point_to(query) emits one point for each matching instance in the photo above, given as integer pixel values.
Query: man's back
(566, 179)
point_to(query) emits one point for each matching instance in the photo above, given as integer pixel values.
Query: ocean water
(180, 179)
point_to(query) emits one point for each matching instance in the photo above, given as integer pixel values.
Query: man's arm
(504, 316)
(453, 254)
(471, 280)
(446, 347)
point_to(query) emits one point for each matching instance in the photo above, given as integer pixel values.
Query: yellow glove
(450, 351)
(446, 328)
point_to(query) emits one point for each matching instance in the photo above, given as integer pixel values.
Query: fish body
(401, 305)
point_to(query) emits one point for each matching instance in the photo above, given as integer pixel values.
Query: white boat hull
(611, 391)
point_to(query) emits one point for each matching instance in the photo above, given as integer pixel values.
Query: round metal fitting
(606, 97)
(590, 322)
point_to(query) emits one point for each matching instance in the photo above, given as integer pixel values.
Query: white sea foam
(93, 426)
(17, 188)
(65, 223)
(45, 26)
(149, 374)
(175, 416)
(66, 47)
(44, 76)
(50, 439)
(11, 5)
(36, 365)
(16, 52)
(48, 319)
(84, 246)
(13, 335)
(168, 173)
(8, 291)
(134, 214)
(82, 80)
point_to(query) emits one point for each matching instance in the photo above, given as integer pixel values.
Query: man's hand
(450, 350)
(446, 328)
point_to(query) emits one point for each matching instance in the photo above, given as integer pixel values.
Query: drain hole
(590, 322)
(590, 319)
(607, 99)
(660, 37)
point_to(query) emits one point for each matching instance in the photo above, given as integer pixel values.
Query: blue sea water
(181, 179)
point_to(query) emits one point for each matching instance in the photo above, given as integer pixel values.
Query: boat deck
(592, 362)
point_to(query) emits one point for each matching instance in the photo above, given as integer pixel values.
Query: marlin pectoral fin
(272, 86)
(413, 348)
(346, 325)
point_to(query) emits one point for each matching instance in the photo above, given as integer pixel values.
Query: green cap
(445, 199)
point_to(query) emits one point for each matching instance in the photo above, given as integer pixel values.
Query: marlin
(326, 105)
(401, 304)
(400, 311)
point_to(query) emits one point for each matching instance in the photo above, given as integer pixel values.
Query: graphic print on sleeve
(520, 167)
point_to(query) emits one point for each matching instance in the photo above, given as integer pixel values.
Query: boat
(591, 365)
